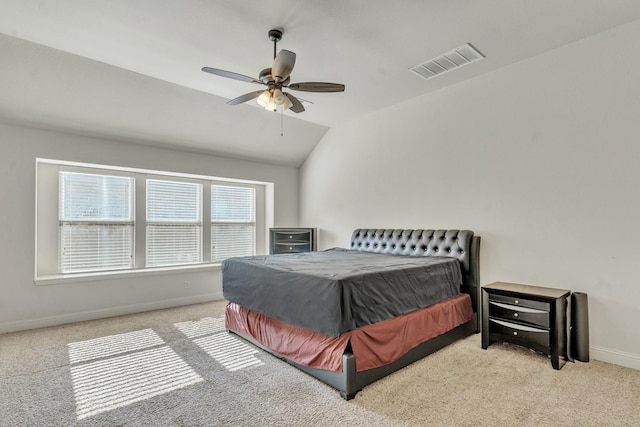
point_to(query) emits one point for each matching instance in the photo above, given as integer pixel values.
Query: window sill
(121, 274)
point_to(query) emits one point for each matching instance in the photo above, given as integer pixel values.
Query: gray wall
(540, 158)
(24, 304)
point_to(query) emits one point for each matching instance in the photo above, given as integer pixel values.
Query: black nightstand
(530, 316)
(292, 240)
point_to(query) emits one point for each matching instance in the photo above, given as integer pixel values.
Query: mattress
(332, 292)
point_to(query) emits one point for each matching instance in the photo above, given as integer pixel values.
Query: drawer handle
(517, 302)
(515, 333)
(515, 314)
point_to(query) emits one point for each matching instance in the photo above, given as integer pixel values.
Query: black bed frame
(462, 244)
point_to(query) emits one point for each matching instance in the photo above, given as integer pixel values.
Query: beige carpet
(178, 367)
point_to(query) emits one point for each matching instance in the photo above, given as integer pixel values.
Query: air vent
(448, 61)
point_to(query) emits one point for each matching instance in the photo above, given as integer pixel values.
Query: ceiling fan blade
(230, 75)
(283, 65)
(317, 87)
(244, 98)
(296, 106)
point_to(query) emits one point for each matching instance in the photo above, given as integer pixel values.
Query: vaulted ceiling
(131, 69)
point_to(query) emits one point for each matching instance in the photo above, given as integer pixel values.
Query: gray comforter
(334, 291)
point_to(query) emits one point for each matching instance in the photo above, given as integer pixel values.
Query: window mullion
(206, 222)
(140, 216)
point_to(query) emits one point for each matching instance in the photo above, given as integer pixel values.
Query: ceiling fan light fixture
(263, 99)
(271, 106)
(278, 97)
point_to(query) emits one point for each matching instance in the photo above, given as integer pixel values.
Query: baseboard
(616, 357)
(44, 322)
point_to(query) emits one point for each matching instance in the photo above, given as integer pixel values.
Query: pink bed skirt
(373, 345)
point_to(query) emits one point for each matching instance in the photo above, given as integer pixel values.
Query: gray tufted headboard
(461, 244)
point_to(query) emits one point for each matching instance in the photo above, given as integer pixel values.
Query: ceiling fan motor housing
(265, 76)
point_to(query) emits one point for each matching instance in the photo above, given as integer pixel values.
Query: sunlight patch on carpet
(229, 351)
(112, 345)
(118, 370)
(201, 327)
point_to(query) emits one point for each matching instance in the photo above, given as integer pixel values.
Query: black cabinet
(530, 316)
(292, 240)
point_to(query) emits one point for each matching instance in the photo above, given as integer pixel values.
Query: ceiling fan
(276, 79)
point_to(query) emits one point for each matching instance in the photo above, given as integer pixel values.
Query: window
(174, 223)
(233, 222)
(106, 220)
(96, 224)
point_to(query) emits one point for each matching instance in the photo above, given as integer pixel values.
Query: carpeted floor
(179, 367)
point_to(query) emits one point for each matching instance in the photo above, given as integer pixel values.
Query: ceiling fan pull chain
(281, 120)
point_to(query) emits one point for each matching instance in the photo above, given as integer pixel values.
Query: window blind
(233, 222)
(174, 223)
(96, 225)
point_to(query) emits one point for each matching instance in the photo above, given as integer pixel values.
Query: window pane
(229, 240)
(96, 228)
(173, 244)
(95, 197)
(169, 201)
(232, 204)
(174, 226)
(232, 222)
(95, 247)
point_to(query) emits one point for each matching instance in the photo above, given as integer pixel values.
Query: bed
(352, 316)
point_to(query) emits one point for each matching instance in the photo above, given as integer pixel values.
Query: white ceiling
(130, 69)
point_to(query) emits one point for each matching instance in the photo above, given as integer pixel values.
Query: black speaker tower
(580, 326)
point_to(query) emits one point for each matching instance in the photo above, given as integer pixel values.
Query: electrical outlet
(187, 284)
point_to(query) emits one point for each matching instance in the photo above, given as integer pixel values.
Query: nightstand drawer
(291, 247)
(534, 338)
(532, 316)
(521, 302)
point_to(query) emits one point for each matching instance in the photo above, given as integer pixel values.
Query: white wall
(540, 158)
(25, 305)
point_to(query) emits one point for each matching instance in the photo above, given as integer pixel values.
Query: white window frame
(197, 223)
(81, 222)
(46, 225)
(252, 222)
